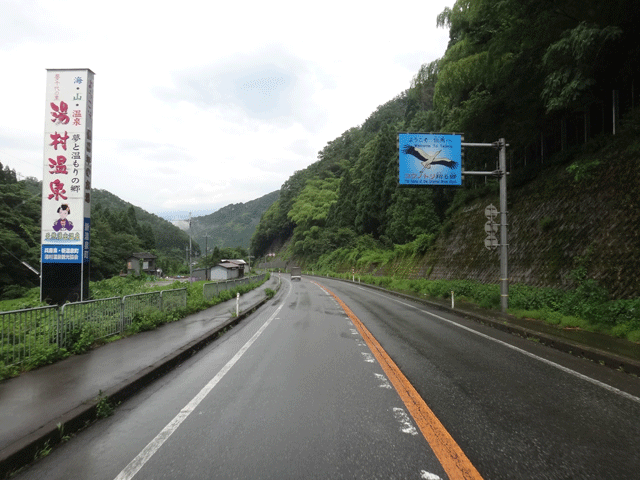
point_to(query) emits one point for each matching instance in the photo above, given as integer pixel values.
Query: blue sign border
(430, 159)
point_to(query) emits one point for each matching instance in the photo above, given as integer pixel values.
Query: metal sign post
(435, 159)
(490, 241)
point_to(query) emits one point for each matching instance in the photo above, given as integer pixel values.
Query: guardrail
(25, 332)
(210, 290)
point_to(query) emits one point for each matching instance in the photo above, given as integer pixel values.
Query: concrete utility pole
(190, 268)
(206, 263)
(504, 252)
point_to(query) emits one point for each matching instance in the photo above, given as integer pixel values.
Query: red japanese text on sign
(59, 113)
(59, 140)
(58, 165)
(57, 190)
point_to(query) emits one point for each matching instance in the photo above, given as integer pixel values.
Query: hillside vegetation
(231, 226)
(555, 79)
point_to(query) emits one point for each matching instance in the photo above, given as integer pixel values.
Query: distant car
(296, 274)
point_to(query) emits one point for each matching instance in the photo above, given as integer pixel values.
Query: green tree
(377, 172)
(310, 212)
(575, 62)
(19, 234)
(411, 214)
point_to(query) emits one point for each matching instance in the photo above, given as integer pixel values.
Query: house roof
(143, 255)
(237, 261)
(228, 265)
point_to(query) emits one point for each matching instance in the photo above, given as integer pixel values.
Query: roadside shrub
(7, 371)
(44, 355)
(532, 298)
(147, 319)
(487, 296)
(225, 295)
(586, 301)
(80, 339)
(423, 242)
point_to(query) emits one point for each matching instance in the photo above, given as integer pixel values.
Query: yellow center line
(453, 460)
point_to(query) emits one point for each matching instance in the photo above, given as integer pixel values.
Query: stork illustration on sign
(429, 159)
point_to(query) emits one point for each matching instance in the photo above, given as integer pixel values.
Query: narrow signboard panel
(66, 186)
(430, 159)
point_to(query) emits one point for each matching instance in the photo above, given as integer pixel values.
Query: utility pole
(504, 268)
(206, 262)
(190, 268)
(501, 173)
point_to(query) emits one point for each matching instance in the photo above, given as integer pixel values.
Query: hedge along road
(302, 390)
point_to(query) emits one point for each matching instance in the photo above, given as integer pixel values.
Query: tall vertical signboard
(66, 186)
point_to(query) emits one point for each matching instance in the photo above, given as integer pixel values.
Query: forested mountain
(549, 76)
(119, 228)
(231, 226)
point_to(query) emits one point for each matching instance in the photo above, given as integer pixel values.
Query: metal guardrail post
(60, 327)
(122, 315)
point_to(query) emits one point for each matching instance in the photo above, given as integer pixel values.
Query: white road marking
(598, 383)
(353, 331)
(143, 457)
(424, 475)
(384, 381)
(368, 357)
(405, 421)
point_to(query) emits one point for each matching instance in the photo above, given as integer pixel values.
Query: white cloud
(201, 105)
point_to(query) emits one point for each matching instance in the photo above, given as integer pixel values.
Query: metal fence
(210, 290)
(25, 332)
(99, 318)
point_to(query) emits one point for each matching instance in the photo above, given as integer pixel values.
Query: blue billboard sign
(428, 159)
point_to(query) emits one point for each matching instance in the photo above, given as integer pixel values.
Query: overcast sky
(201, 104)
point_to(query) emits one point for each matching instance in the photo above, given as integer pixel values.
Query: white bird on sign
(428, 159)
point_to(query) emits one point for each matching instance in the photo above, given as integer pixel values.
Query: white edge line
(143, 457)
(517, 349)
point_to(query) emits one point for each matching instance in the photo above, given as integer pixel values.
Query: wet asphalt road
(293, 392)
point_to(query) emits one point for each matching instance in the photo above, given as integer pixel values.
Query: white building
(227, 270)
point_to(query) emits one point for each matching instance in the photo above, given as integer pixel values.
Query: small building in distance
(143, 262)
(239, 261)
(227, 270)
